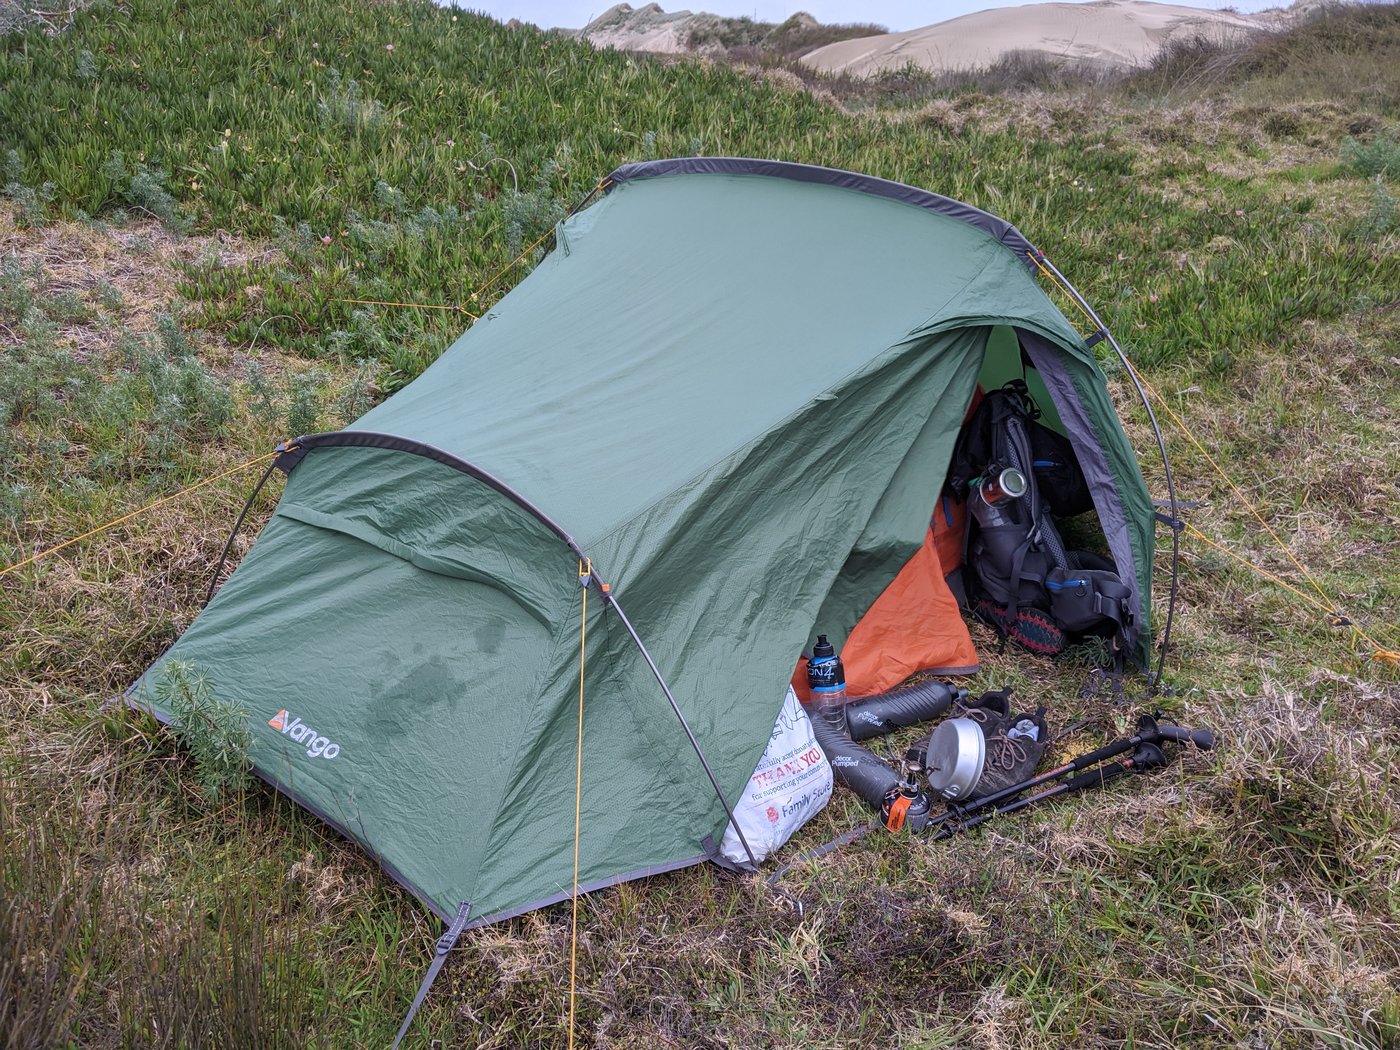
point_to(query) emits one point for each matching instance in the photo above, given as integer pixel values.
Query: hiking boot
(1014, 746)
(987, 709)
(996, 616)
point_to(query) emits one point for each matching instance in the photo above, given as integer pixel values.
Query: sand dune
(1111, 33)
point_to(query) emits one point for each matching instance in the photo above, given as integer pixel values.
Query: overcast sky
(896, 14)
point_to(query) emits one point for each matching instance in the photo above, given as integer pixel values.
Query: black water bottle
(826, 678)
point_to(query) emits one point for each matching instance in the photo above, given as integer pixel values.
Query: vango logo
(317, 746)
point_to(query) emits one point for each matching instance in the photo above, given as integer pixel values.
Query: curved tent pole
(293, 453)
(714, 782)
(1041, 258)
(223, 558)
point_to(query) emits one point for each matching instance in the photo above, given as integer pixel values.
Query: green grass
(167, 311)
(430, 164)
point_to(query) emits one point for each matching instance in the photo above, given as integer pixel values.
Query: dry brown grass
(1242, 898)
(138, 262)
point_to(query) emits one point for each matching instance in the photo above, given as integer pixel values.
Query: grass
(193, 187)
(1343, 53)
(412, 169)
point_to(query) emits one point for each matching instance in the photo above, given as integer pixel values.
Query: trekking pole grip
(1202, 738)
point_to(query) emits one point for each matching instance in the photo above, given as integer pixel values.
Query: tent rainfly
(727, 402)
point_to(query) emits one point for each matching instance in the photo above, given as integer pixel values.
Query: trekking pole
(1146, 756)
(1149, 732)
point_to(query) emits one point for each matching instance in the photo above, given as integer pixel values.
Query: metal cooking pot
(956, 753)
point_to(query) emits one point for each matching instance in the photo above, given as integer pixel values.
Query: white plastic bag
(791, 784)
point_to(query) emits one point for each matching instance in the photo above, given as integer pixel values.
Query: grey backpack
(1018, 575)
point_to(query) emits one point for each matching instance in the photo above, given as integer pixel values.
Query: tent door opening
(1029, 550)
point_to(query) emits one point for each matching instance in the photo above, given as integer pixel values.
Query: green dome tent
(733, 389)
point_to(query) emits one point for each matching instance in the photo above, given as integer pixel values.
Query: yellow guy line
(1381, 654)
(1259, 569)
(142, 510)
(476, 295)
(1181, 425)
(1327, 605)
(1049, 275)
(585, 570)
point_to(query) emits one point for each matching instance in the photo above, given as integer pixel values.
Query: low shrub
(1378, 158)
(215, 731)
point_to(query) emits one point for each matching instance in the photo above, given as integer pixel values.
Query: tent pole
(1156, 681)
(611, 599)
(219, 568)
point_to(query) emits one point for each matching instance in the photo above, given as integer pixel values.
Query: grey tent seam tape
(445, 944)
(997, 228)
